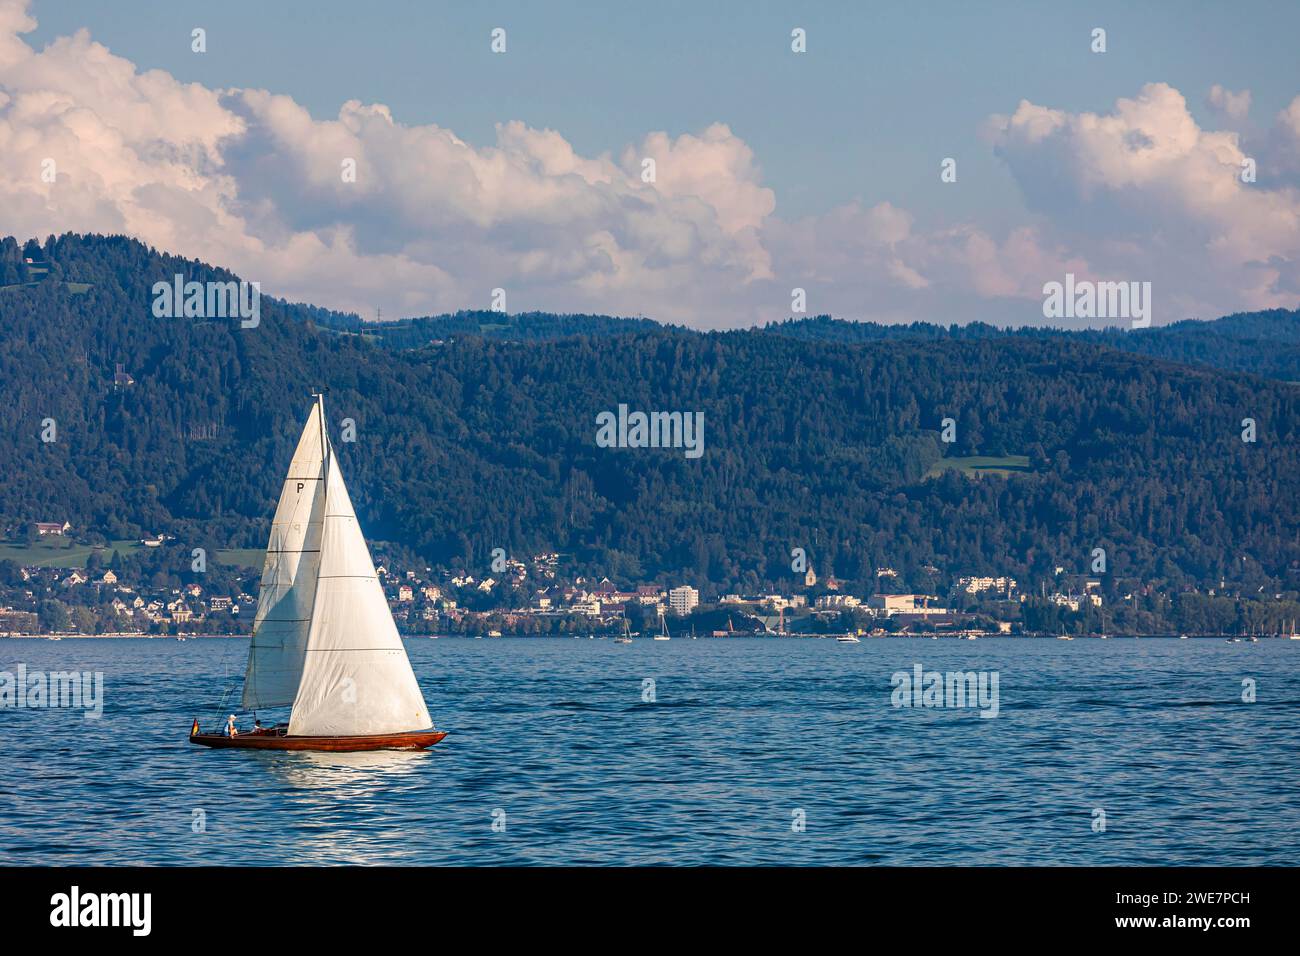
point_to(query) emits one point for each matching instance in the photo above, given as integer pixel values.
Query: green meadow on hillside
(56, 551)
(242, 557)
(981, 465)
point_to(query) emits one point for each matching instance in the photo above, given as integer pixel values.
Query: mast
(324, 513)
(324, 449)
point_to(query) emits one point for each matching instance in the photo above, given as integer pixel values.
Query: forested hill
(1263, 343)
(521, 327)
(479, 443)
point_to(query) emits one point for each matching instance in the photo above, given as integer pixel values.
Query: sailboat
(324, 641)
(626, 636)
(663, 629)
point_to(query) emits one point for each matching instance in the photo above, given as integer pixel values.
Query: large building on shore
(683, 599)
(890, 604)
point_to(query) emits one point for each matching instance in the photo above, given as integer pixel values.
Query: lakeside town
(143, 594)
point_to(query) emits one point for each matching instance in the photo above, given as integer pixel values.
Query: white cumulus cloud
(249, 179)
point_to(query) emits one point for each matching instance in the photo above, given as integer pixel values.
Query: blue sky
(885, 91)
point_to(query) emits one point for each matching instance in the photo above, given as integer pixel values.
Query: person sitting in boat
(257, 726)
(230, 727)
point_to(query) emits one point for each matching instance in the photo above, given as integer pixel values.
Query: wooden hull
(414, 740)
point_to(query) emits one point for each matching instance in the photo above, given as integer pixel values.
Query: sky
(773, 169)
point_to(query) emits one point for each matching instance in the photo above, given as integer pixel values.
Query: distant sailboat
(663, 629)
(848, 639)
(626, 636)
(324, 640)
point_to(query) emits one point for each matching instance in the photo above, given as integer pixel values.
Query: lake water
(553, 737)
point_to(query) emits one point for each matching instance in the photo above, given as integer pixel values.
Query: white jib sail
(356, 678)
(280, 627)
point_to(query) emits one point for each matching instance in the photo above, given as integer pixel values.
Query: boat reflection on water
(350, 774)
(356, 808)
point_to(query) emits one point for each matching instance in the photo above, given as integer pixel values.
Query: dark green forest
(1262, 343)
(467, 439)
(520, 327)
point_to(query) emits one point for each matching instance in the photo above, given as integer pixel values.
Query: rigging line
(225, 676)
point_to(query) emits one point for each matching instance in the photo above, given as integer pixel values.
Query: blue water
(742, 733)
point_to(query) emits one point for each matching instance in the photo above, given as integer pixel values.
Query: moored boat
(626, 636)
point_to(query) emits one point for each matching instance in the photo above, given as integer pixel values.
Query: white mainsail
(352, 676)
(282, 622)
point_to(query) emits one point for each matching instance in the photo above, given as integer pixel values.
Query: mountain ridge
(486, 442)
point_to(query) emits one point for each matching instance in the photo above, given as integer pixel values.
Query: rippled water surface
(741, 734)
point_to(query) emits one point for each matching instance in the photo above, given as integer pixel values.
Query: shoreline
(1243, 638)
